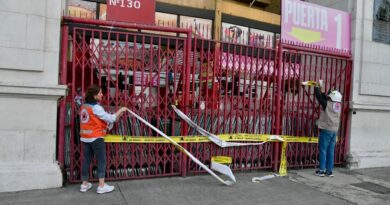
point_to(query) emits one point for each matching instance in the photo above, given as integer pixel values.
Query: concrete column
(29, 90)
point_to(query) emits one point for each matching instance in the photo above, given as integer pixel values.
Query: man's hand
(321, 83)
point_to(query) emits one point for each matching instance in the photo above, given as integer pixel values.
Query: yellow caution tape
(143, 139)
(226, 137)
(200, 139)
(222, 159)
(283, 161)
(309, 83)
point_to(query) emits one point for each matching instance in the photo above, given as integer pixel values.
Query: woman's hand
(120, 112)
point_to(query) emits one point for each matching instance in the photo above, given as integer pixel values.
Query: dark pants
(98, 148)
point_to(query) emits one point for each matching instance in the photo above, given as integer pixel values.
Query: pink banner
(308, 23)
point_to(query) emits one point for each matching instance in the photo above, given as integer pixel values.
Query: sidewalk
(299, 187)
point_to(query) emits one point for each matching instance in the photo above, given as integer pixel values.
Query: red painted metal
(224, 87)
(135, 11)
(61, 117)
(347, 118)
(229, 97)
(132, 68)
(278, 100)
(300, 107)
(185, 94)
(113, 24)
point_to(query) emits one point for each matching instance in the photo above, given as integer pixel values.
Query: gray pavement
(365, 186)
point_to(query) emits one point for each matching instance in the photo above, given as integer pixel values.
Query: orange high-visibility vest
(90, 125)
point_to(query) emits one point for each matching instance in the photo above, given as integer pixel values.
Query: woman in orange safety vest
(94, 121)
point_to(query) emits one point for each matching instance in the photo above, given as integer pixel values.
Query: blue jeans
(98, 148)
(326, 145)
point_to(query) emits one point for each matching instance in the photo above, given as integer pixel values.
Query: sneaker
(329, 174)
(320, 173)
(85, 188)
(105, 189)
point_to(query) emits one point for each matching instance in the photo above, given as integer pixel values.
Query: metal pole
(277, 99)
(186, 85)
(62, 113)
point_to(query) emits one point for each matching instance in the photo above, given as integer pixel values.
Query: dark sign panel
(381, 27)
(134, 11)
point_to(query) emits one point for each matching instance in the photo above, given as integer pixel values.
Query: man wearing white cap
(328, 123)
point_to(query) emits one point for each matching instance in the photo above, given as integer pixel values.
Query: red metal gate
(223, 87)
(299, 109)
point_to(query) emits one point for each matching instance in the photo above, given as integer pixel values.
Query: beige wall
(231, 8)
(243, 10)
(200, 4)
(29, 90)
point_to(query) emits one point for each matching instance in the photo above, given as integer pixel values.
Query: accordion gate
(223, 87)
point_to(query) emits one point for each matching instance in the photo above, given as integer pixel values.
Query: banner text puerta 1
(308, 23)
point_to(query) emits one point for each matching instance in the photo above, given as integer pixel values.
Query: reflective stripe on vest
(90, 125)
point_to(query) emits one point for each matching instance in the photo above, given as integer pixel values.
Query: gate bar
(185, 95)
(62, 77)
(311, 49)
(277, 123)
(125, 25)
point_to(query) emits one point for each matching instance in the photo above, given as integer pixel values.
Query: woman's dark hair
(90, 94)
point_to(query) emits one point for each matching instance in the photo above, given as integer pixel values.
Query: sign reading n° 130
(134, 11)
(308, 23)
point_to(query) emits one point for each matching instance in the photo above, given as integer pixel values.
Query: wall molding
(32, 91)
